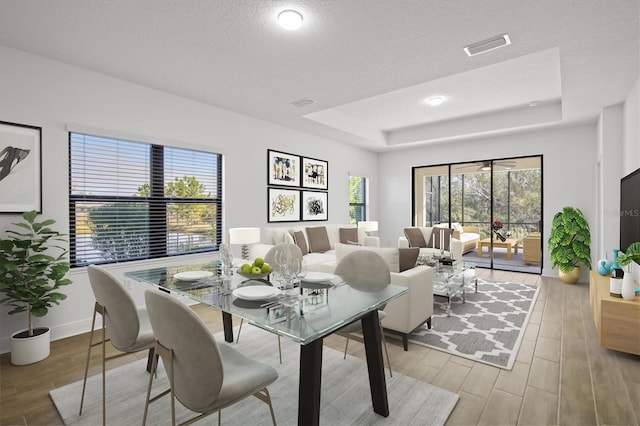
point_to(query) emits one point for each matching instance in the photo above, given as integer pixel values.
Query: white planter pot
(628, 288)
(28, 350)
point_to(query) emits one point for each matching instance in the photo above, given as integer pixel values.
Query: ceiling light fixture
(435, 100)
(290, 20)
(487, 45)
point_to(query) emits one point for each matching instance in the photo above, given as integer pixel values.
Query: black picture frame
(315, 173)
(283, 168)
(283, 205)
(20, 168)
(314, 205)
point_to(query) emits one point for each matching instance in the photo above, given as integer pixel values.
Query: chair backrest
(121, 314)
(197, 363)
(292, 251)
(364, 270)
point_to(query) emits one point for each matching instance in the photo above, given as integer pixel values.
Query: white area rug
(488, 328)
(345, 399)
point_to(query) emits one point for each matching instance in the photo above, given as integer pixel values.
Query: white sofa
(404, 314)
(455, 249)
(468, 236)
(273, 235)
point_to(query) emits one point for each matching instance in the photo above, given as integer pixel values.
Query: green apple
(256, 270)
(246, 268)
(258, 262)
(266, 268)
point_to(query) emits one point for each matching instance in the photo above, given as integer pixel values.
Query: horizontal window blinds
(134, 200)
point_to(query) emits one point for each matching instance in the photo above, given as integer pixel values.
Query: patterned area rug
(487, 328)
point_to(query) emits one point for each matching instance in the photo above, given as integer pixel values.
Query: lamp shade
(244, 235)
(369, 225)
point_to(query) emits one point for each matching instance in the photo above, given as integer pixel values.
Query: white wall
(569, 158)
(51, 95)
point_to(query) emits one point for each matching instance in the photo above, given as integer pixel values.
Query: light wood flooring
(562, 375)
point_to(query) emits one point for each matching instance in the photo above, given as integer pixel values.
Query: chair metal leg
(153, 372)
(239, 330)
(264, 396)
(346, 345)
(279, 350)
(86, 367)
(98, 309)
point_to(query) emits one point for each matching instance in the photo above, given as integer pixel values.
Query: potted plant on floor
(32, 269)
(570, 244)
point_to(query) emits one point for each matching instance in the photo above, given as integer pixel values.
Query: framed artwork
(315, 173)
(284, 205)
(314, 205)
(283, 168)
(20, 168)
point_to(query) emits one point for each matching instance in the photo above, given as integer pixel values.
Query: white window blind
(134, 200)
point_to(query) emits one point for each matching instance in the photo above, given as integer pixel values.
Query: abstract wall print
(315, 173)
(284, 205)
(20, 168)
(314, 205)
(283, 168)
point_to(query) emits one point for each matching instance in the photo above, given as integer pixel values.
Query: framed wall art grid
(283, 168)
(283, 205)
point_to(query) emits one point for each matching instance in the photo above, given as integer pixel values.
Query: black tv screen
(629, 209)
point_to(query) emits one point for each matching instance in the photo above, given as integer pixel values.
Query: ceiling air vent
(487, 45)
(302, 102)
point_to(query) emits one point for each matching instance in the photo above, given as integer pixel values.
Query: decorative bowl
(253, 276)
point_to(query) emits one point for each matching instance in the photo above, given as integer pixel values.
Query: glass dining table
(320, 309)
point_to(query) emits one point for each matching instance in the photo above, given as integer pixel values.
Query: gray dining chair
(364, 270)
(294, 251)
(128, 326)
(203, 375)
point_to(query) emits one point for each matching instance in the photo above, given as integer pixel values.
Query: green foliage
(570, 240)
(632, 254)
(116, 230)
(29, 275)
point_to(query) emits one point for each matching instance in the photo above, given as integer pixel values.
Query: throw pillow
(318, 239)
(457, 227)
(349, 235)
(408, 257)
(435, 238)
(301, 241)
(415, 237)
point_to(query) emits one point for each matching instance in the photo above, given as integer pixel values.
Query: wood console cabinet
(617, 320)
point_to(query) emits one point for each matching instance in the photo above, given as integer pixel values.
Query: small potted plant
(32, 269)
(631, 255)
(570, 244)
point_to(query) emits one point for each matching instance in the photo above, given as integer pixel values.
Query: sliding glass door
(500, 201)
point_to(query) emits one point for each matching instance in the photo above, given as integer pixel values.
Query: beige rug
(345, 399)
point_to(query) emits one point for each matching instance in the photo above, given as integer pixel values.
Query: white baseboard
(57, 333)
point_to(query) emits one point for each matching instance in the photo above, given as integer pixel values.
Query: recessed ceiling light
(290, 19)
(435, 100)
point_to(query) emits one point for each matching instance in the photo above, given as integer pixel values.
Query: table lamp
(244, 236)
(369, 226)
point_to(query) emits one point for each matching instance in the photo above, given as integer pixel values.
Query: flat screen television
(629, 209)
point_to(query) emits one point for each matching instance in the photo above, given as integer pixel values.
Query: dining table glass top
(303, 314)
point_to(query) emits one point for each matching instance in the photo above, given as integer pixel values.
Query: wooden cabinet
(531, 249)
(617, 320)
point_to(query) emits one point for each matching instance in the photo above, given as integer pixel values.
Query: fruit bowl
(253, 276)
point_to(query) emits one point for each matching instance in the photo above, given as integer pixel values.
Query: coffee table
(510, 244)
(449, 280)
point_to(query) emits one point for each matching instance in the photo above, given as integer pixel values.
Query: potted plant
(632, 254)
(569, 244)
(30, 276)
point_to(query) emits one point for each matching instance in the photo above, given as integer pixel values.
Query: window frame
(157, 243)
(365, 198)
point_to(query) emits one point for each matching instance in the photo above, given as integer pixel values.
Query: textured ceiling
(368, 64)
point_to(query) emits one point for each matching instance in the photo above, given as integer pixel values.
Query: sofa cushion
(349, 235)
(436, 236)
(301, 241)
(407, 258)
(457, 227)
(318, 239)
(415, 237)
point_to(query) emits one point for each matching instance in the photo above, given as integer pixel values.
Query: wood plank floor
(561, 376)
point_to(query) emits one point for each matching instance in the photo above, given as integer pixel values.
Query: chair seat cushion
(242, 377)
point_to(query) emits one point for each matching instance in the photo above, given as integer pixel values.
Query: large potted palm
(570, 244)
(32, 269)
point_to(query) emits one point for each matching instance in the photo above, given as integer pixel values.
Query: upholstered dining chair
(366, 271)
(289, 249)
(203, 375)
(128, 326)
